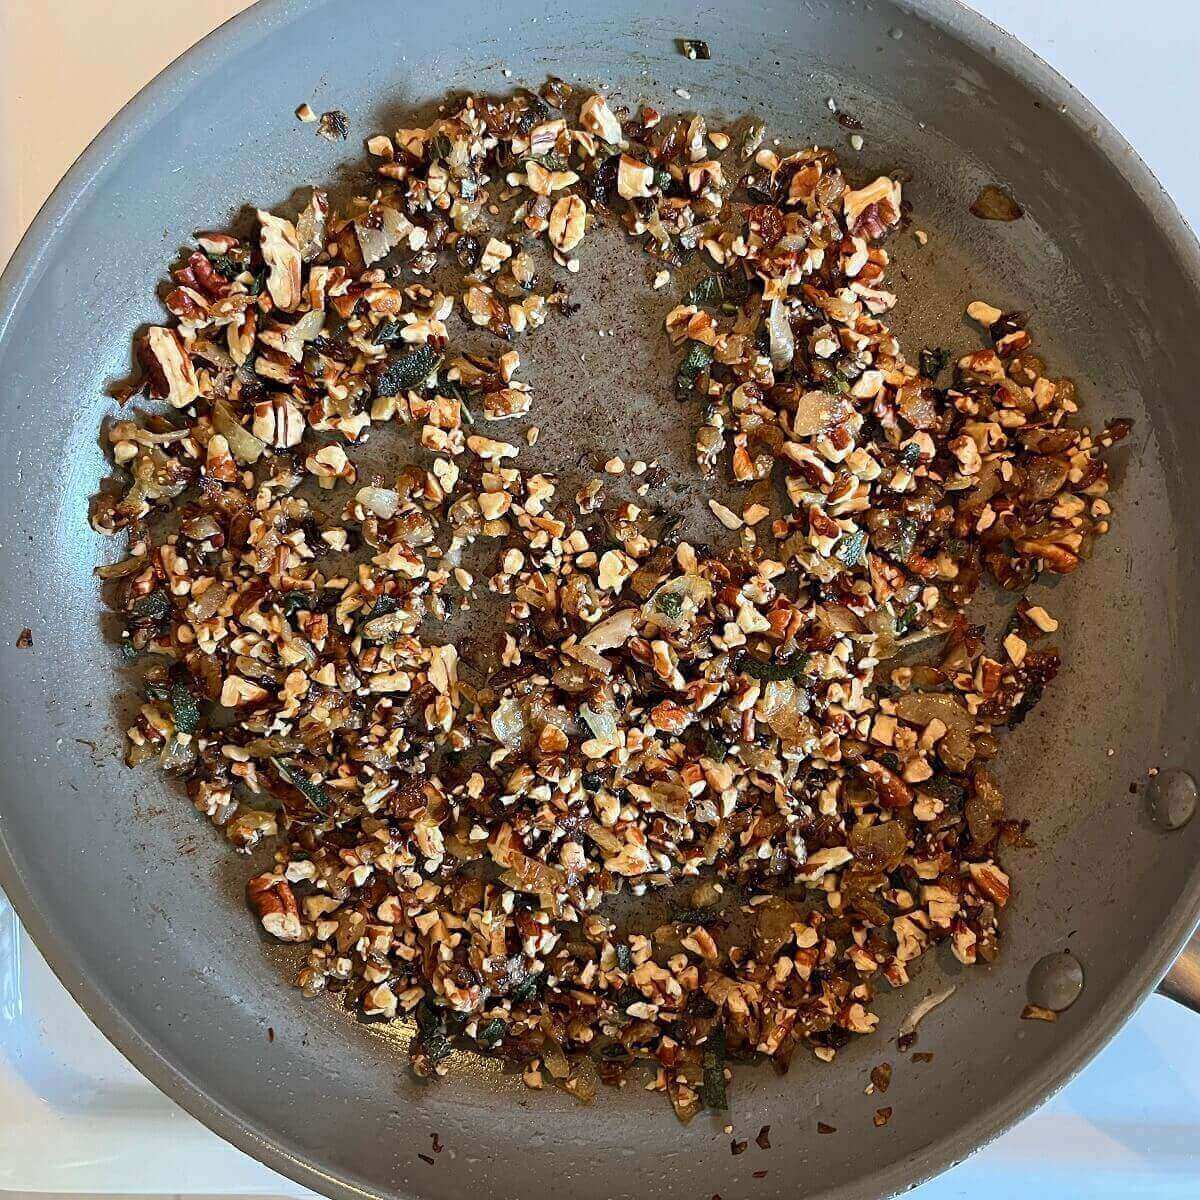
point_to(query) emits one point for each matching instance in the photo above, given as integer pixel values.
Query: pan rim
(963, 25)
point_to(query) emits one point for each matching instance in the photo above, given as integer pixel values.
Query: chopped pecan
(596, 117)
(172, 377)
(890, 789)
(566, 223)
(1058, 558)
(278, 422)
(281, 252)
(992, 882)
(272, 899)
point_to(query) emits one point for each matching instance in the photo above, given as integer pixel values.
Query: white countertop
(85, 1121)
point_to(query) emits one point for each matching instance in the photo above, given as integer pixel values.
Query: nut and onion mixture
(782, 738)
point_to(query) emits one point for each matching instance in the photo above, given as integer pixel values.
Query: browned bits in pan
(1035, 1012)
(784, 726)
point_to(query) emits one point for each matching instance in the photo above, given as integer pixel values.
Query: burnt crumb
(425, 1158)
(694, 48)
(1036, 1012)
(848, 120)
(996, 204)
(25, 639)
(763, 1138)
(270, 1034)
(737, 1147)
(882, 1117)
(923, 1056)
(437, 1145)
(823, 1128)
(881, 1077)
(334, 125)
(760, 1174)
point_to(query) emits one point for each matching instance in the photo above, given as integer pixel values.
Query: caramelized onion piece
(955, 747)
(984, 808)
(817, 413)
(773, 923)
(879, 847)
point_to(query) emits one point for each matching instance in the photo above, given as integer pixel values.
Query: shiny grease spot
(1172, 796)
(1056, 981)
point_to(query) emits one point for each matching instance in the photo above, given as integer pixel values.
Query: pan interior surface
(138, 903)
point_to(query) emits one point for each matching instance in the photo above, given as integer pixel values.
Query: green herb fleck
(490, 1034)
(184, 709)
(407, 371)
(292, 602)
(933, 361)
(775, 671)
(552, 162)
(388, 331)
(906, 620)
(838, 384)
(725, 291)
(712, 1088)
(428, 1018)
(129, 652)
(154, 607)
(437, 1047)
(524, 991)
(383, 606)
(853, 548)
(696, 359)
(670, 604)
(710, 290)
(314, 793)
(230, 268)
(626, 996)
(715, 748)
(950, 793)
(905, 540)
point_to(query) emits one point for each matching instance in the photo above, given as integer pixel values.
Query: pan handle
(1182, 981)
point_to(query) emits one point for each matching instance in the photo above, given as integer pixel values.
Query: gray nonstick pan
(139, 907)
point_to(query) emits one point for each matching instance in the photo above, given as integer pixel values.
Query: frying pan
(137, 904)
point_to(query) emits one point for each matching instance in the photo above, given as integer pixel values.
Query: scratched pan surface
(136, 903)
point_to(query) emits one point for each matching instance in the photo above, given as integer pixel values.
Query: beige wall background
(65, 67)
